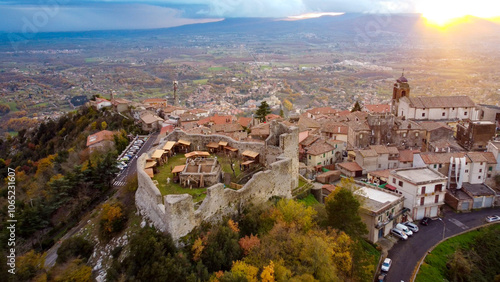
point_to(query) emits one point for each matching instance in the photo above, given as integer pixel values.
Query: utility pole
(176, 99)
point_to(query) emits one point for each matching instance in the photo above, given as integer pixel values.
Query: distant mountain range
(351, 26)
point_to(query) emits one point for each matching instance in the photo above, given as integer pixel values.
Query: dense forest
(57, 178)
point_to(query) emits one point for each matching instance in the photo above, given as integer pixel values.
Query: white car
(386, 265)
(412, 226)
(493, 218)
(398, 233)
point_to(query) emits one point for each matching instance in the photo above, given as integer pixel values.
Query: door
(381, 232)
(420, 213)
(434, 211)
(488, 202)
(465, 206)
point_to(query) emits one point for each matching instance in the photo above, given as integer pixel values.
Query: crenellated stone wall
(177, 215)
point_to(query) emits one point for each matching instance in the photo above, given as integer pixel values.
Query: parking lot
(126, 162)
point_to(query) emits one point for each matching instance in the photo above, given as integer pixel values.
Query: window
(466, 171)
(323, 155)
(435, 166)
(440, 165)
(436, 198)
(480, 170)
(400, 183)
(481, 163)
(443, 114)
(490, 168)
(423, 114)
(404, 134)
(438, 187)
(309, 156)
(465, 113)
(423, 190)
(394, 180)
(479, 177)
(361, 136)
(416, 134)
(453, 108)
(379, 218)
(422, 200)
(379, 165)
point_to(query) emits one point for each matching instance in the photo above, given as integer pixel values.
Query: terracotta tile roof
(154, 100)
(393, 150)
(322, 111)
(230, 127)
(199, 130)
(368, 153)
(351, 166)
(216, 119)
(270, 117)
(99, 136)
(378, 108)
(309, 140)
(406, 156)
(380, 149)
(477, 157)
(319, 147)
(308, 122)
(433, 125)
(117, 101)
(245, 121)
(149, 118)
(261, 129)
(441, 158)
(358, 125)
(334, 127)
(441, 102)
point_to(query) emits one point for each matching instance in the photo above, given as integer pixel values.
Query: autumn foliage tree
(113, 219)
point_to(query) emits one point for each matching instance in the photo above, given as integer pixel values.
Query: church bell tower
(401, 89)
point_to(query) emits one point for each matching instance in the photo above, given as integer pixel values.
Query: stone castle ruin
(177, 215)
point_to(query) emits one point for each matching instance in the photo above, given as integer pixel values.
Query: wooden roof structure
(150, 164)
(231, 149)
(157, 154)
(178, 168)
(195, 154)
(223, 143)
(250, 154)
(247, 162)
(213, 145)
(169, 145)
(184, 142)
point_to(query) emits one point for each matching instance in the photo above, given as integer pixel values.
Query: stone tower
(401, 89)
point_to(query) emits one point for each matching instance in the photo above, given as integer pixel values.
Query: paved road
(406, 254)
(131, 169)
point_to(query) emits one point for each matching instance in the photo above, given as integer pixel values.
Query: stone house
(475, 135)
(150, 122)
(102, 140)
(435, 131)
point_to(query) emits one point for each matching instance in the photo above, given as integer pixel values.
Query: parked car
(404, 228)
(425, 221)
(493, 218)
(135, 147)
(398, 233)
(412, 226)
(382, 277)
(386, 265)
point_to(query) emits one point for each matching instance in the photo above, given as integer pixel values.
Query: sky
(77, 15)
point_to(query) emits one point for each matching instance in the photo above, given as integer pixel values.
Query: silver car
(412, 226)
(399, 234)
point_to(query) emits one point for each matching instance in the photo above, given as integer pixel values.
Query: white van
(404, 228)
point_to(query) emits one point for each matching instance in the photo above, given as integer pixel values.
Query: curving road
(406, 254)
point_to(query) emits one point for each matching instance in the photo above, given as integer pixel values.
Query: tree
(262, 111)
(104, 125)
(76, 247)
(356, 108)
(342, 208)
(113, 219)
(222, 249)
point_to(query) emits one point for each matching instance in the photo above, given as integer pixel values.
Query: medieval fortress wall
(176, 214)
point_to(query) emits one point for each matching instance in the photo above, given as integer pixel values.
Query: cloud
(141, 14)
(31, 18)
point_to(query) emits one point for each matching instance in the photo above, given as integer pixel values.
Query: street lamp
(444, 226)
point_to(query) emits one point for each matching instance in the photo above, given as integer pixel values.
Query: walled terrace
(178, 215)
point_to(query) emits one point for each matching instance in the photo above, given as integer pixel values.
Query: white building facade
(424, 190)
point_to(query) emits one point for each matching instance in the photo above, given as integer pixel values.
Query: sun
(443, 13)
